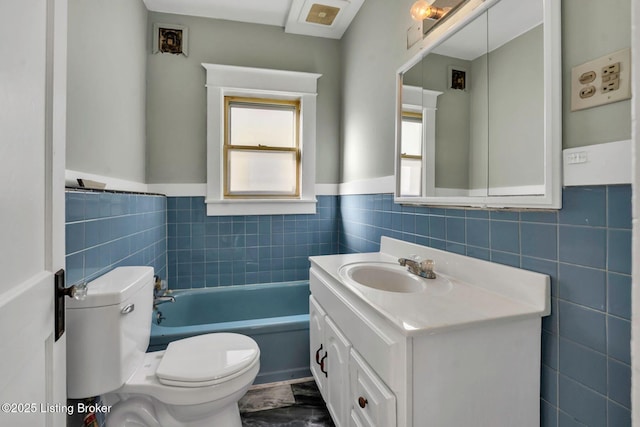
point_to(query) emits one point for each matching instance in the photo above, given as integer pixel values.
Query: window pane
(254, 125)
(411, 177)
(411, 137)
(259, 172)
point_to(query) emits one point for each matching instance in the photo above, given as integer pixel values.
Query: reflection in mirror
(411, 154)
(455, 159)
(491, 85)
(418, 139)
(516, 98)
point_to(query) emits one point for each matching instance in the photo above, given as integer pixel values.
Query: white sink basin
(388, 277)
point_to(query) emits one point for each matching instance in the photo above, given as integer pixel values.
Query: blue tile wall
(586, 250)
(105, 230)
(206, 251)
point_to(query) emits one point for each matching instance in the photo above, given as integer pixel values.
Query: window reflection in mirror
(455, 161)
(411, 154)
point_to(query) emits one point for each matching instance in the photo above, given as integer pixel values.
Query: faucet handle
(427, 267)
(427, 264)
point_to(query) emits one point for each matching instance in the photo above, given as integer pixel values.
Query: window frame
(228, 102)
(234, 81)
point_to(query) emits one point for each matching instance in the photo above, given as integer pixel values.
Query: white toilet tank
(108, 331)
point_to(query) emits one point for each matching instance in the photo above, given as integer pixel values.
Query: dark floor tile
(307, 394)
(292, 416)
(309, 410)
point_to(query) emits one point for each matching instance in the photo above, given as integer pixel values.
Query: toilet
(195, 382)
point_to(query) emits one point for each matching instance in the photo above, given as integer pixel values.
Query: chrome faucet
(160, 293)
(162, 299)
(418, 266)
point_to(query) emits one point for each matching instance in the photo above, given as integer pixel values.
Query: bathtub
(275, 315)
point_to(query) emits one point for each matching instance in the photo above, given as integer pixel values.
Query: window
(261, 128)
(261, 148)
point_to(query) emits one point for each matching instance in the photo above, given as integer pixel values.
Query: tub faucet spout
(161, 300)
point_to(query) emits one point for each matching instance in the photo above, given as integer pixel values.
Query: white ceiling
(288, 14)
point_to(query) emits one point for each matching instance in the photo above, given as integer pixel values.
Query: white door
(32, 142)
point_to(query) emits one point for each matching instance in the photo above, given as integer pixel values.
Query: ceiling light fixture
(423, 9)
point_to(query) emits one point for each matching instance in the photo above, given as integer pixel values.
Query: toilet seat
(206, 360)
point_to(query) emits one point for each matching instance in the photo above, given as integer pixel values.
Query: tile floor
(284, 405)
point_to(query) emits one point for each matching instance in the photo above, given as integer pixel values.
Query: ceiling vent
(327, 19)
(322, 14)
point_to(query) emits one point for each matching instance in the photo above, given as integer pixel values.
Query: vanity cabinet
(354, 394)
(464, 355)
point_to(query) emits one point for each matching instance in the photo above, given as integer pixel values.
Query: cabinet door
(317, 348)
(355, 420)
(371, 400)
(337, 366)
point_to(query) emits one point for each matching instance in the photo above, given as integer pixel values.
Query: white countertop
(480, 291)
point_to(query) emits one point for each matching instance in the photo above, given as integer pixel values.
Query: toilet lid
(206, 359)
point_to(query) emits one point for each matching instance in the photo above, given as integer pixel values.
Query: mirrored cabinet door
(479, 110)
(449, 88)
(516, 98)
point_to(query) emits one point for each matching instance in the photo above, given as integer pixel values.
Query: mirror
(479, 110)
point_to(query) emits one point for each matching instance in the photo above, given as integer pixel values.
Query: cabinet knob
(362, 402)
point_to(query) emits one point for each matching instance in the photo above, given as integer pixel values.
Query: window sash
(228, 148)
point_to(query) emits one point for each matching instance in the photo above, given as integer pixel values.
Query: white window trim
(228, 80)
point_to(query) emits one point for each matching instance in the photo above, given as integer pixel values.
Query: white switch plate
(603, 87)
(576, 158)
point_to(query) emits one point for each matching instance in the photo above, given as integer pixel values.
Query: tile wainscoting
(205, 251)
(105, 230)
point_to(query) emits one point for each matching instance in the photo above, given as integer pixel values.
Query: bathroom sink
(383, 276)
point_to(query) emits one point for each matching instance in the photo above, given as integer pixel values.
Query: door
(32, 142)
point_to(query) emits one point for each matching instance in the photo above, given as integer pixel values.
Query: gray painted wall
(176, 103)
(356, 128)
(372, 53)
(106, 88)
(373, 48)
(592, 29)
(452, 122)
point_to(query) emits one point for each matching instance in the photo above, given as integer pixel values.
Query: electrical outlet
(601, 81)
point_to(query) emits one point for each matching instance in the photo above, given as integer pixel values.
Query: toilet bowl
(195, 382)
